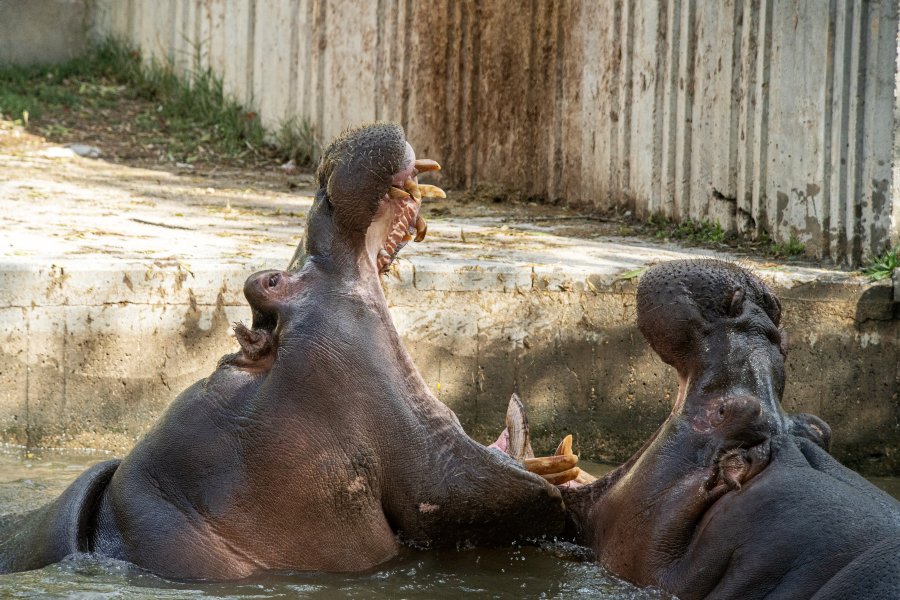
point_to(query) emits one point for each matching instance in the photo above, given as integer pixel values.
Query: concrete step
(118, 287)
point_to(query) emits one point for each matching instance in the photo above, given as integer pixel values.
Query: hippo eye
(273, 279)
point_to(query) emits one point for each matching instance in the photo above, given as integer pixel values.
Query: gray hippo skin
(318, 446)
(731, 497)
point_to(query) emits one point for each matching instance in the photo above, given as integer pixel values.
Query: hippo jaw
(397, 219)
(367, 206)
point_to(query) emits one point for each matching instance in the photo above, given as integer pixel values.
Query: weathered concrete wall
(773, 116)
(43, 31)
(91, 356)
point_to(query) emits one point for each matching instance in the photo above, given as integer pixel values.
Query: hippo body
(733, 497)
(318, 446)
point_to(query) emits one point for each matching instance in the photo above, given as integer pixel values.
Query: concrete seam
(379, 58)
(734, 107)
(251, 51)
(474, 94)
(828, 127)
(559, 109)
(294, 65)
(405, 69)
(627, 102)
(322, 28)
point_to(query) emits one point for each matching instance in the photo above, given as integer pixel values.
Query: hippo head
(718, 325)
(367, 206)
(366, 209)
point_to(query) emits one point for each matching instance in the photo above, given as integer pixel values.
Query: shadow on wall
(611, 391)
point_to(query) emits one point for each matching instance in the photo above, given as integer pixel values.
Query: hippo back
(63, 527)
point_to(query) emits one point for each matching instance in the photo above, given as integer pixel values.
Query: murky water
(29, 479)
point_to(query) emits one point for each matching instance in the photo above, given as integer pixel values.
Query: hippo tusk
(431, 191)
(397, 194)
(517, 424)
(564, 477)
(423, 165)
(413, 188)
(421, 228)
(584, 477)
(565, 446)
(547, 465)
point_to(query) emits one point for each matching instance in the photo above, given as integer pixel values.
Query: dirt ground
(113, 130)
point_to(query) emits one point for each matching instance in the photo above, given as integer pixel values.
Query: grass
(189, 114)
(883, 266)
(708, 233)
(703, 231)
(793, 247)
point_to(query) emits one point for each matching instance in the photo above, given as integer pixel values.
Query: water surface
(31, 478)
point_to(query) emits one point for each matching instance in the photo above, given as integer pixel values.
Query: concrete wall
(92, 354)
(772, 116)
(43, 31)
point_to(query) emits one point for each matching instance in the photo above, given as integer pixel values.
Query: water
(29, 479)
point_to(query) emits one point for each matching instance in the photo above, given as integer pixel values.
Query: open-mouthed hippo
(731, 497)
(318, 446)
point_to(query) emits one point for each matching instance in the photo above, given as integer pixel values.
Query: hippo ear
(783, 341)
(772, 306)
(736, 304)
(812, 428)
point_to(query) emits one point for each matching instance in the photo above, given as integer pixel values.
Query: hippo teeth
(408, 223)
(546, 465)
(421, 228)
(423, 165)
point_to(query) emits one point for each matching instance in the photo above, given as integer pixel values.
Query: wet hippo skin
(732, 497)
(317, 446)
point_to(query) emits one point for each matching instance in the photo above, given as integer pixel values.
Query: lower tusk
(519, 446)
(431, 191)
(421, 228)
(413, 188)
(423, 165)
(383, 253)
(564, 477)
(585, 477)
(565, 446)
(397, 194)
(551, 464)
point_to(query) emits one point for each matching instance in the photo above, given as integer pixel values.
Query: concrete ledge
(118, 287)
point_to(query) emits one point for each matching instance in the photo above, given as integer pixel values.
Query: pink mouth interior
(405, 210)
(403, 229)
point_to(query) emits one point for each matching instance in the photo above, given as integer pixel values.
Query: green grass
(793, 247)
(703, 231)
(883, 266)
(190, 113)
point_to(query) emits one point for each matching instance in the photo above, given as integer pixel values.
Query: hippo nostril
(274, 278)
(721, 410)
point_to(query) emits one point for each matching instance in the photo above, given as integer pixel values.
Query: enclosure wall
(773, 116)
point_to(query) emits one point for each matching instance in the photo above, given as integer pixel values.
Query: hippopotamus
(317, 446)
(732, 497)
